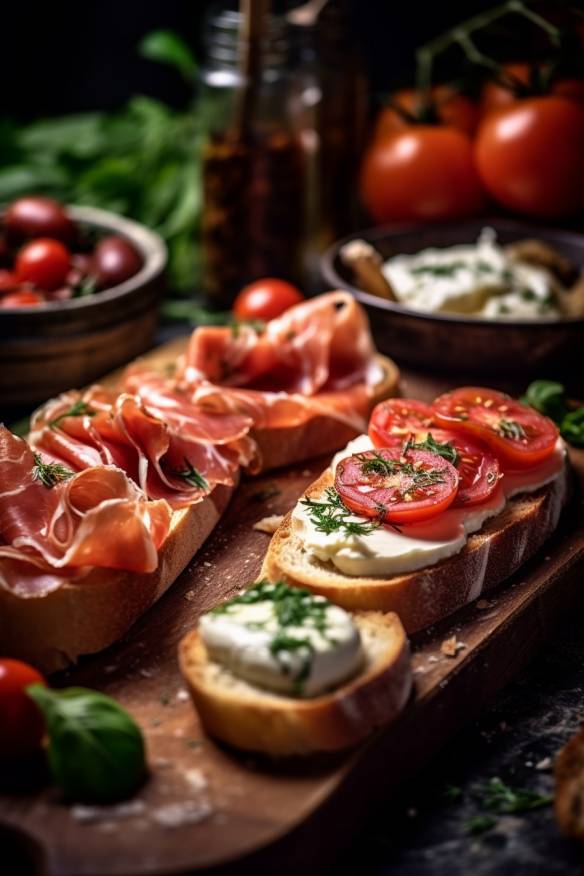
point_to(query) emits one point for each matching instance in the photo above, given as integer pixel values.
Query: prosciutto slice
(55, 524)
(173, 449)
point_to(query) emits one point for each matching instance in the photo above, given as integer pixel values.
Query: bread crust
(569, 787)
(87, 616)
(426, 596)
(252, 719)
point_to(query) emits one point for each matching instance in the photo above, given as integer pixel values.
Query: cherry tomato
(21, 726)
(38, 217)
(422, 173)
(22, 298)
(114, 260)
(477, 466)
(8, 281)
(450, 107)
(520, 436)
(44, 263)
(531, 156)
(395, 487)
(496, 96)
(398, 416)
(266, 299)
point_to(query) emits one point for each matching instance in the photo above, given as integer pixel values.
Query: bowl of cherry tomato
(449, 342)
(79, 290)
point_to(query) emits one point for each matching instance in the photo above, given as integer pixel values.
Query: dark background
(68, 57)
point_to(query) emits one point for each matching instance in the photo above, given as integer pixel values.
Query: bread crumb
(450, 647)
(482, 604)
(544, 764)
(182, 695)
(177, 814)
(268, 524)
(432, 658)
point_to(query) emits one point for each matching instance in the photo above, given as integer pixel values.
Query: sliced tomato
(396, 488)
(478, 467)
(398, 416)
(520, 436)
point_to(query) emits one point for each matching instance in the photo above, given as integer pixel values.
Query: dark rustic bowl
(52, 347)
(452, 343)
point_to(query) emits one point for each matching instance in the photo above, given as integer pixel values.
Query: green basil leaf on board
(572, 427)
(548, 397)
(96, 749)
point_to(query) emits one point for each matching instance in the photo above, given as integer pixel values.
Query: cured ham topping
(56, 524)
(172, 448)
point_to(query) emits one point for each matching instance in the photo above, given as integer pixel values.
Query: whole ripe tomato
(114, 260)
(21, 726)
(422, 173)
(22, 298)
(44, 263)
(266, 299)
(451, 108)
(496, 96)
(38, 217)
(530, 156)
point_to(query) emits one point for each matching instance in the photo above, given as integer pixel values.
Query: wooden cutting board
(205, 806)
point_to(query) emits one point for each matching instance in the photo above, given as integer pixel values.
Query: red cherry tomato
(38, 217)
(21, 724)
(530, 156)
(114, 260)
(398, 416)
(520, 436)
(8, 281)
(496, 96)
(423, 173)
(266, 299)
(449, 106)
(22, 298)
(395, 487)
(44, 263)
(478, 468)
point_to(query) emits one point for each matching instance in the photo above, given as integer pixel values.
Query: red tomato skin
(266, 299)
(44, 262)
(22, 726)
(398, 417)
(423, 173)
(530, 156)
(8, 281)
(496, 96)
(453, 109)
(31, 217)
(22, 298)
(114, 261)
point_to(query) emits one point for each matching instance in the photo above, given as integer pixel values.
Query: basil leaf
(572, 427)
(548, 397)
(96, 750)
(167, 47)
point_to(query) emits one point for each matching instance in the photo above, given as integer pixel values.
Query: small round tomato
(398, 416)
(38, 217)
(449, 107)
(422, 173)
(394, 487)
(266, 299)
(530, 156)
(477, 466)
(114, 260)
(520, 436)
(498, 95)
(21, 725)
(22, 298)
(44, 263)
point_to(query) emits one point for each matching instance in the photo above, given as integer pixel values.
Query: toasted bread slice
(88, 615)
(569, 787)
(254, 719)
(426, 596)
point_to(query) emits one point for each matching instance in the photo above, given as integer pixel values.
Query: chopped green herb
(331, 516)
(480, 824)
(378, 464)
(192, 476)
(499, 797)
(77, 409)
(511, 429)
(452, 793)
(528, 294)
(164, 700)
(446, 270)
(50, 473)
(446, 450)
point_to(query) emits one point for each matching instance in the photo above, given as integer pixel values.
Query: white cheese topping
(316, 652)
(385, 552)
(480, 279)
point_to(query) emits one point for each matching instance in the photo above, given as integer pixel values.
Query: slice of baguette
(569, 787)
(254, 719)
(88, 615)
(321, 433)
(424, 597)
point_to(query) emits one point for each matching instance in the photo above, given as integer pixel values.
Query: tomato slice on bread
(398, 416)
(396, 487)
(520, 436)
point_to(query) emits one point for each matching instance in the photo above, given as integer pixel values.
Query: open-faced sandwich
(282, 671)
(436, 505)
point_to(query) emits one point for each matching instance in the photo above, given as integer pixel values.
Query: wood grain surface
(205, 806)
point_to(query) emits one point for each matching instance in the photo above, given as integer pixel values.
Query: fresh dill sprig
(378, 464)
(446, 450)
(331, 516)
(50, 473)
(77, 409)
(511, 429)
(192, 476)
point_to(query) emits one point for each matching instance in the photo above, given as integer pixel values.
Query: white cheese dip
(480, 279)
(384, 552)
(284, 639)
